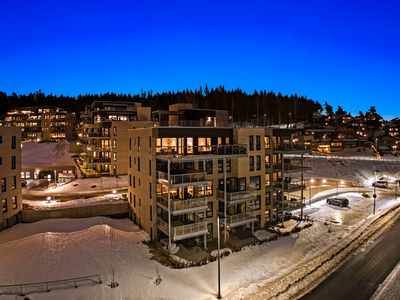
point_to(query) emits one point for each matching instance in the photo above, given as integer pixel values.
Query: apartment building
(10, 175)
(42, 123)
(103, 135)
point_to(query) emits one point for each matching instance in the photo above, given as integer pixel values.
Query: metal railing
(294, 184)
(46, 286)
(177, 205)
(239, 218)
(100, 160)
(183, 229)
(292, 166)
(182, 178)
(96, 134)
(239, 195)
(292, 146)
(175, 151)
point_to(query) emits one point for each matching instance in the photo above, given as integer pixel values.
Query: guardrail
(176, 151)
(182, 204)
(46, 286)
(344, 157)
(239, 218)
(182, 178)
(234, 196)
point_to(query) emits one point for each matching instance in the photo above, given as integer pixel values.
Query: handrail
(182, 178)
(232, 196)
(239, 217)
(183, 204)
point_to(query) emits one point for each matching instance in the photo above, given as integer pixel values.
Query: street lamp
(219, 271)
(375, 171)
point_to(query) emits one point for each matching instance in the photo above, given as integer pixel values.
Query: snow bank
(53, 154)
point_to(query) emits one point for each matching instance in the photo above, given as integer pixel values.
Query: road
(359, 277)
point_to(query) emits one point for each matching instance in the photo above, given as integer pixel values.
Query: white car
(380, 183)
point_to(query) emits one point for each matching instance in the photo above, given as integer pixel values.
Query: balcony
(184, 231)
(101, 160)
(291, 204)
(191, 153)
(293, 166)
(97, 134)
(182, 180)
(179, 206)
(238, 197)
(292, 147)
(289, 186)
(240, 219)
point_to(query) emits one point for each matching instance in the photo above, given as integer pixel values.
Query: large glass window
(267, 161)
(251, 163)
(206, 190)
(204, 144)
(251, 142)
(258, 142)
(267, 142)
(189, 144)
(255, 182)
(209, 213)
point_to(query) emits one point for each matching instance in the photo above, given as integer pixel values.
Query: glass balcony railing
(239, 196)
(181, 178)
(292, 166)
(187, 204)
(239, 218)
(292, 147)
(187, 230)
(174, 151)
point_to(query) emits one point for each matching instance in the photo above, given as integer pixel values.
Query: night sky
(343, 52)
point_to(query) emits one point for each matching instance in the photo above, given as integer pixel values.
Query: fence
(344, 157)
(47, 286)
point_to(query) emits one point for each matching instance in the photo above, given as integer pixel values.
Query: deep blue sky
(344, 52)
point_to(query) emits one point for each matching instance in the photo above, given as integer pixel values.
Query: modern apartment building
(103, 134)
(10, 176)
(42, 123)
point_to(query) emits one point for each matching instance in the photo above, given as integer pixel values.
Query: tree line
(262, 107)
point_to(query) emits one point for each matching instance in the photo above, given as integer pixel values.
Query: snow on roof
(49, 154)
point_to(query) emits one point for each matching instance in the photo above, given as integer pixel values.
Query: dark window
(130, 144)
(13, 142)
(228, 165)
(242, 184)
(258, 162)
(14, 183)
(258, 142)
(251, 142)
(130, 198)
(209, 213)
(1, 161)
(209, 166)
(1, 139)
(115, 131)
(257, 224)
(210, 231)
(138, 164)
(220, 166)
(130, 180)
(149, 141)
(134, 200)
(138, 143)
(267, 198)
(3, 184)
(14, 202)
(255, 182)
(13, 166)
(151, 213)
(130, 161)
(251, 163)
(134, 184)
(150, 167)
(150, 190)
(140, 202)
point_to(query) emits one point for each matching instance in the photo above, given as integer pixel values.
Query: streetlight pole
(219, 264)
(375, 171)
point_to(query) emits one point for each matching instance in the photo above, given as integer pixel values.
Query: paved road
(359, 277)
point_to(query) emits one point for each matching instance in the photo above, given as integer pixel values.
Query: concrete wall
(116, 210)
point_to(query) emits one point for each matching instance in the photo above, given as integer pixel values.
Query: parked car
(380, 183)
(340, 201)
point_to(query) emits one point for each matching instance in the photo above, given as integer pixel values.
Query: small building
(327, 145)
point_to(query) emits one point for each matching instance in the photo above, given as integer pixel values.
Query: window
(209, 166)
(4, 201)
(255, 182)
(14, 183)
(242, 184)
(251, 163)
(220, 166)
(150, 167)
(13, 142)
(130, 180)
(134, 200)
(13, 166)
(115, 131)
(1, 161)
(130, 144)
(227, 140)
(210, 231)
(115, 156)
(258, 142)
(23, 175)
(228, 165)
(258, 162)
(149, 141)
(138, 164)
(209, 212)
(151, 213)
(219, 141)
(206, 190)
(257, 203)
(133, 182)
(267, 143)
(204, 142)
(267, 198)
(130, 161)
(14, 202)
(3, 184)
(251, 142)
(267, 179)
(267, 161)
(140, 202)
(1, 139)
(115, 169)
(130, 197)
(28, 175)
(189, 144)
(115, 144)
(150, 190)
(138, 144)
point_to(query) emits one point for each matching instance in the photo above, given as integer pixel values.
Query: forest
(262, 107)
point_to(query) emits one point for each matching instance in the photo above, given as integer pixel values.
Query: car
(340, 201)
(380, 183)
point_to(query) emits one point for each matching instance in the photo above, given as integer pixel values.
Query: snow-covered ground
(50, 154)
(64, 248)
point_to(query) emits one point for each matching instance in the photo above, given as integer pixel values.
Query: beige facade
(10, 176)
(212, 171)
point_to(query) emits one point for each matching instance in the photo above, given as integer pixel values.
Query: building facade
(42, 123)
(10, 176)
